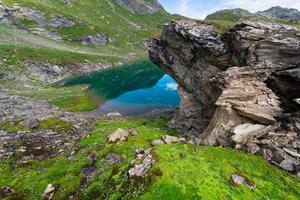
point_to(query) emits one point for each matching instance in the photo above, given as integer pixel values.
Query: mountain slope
(282, 13)
(89, 22)
(224, 19)
(55, 39)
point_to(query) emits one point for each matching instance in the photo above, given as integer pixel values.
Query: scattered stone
(118, 135)
(5, 191)
(113, 158)
(170, 139)
(145, 160)
(59, 21)
(99, 39)
(132, 132)
(288, 165)
(48, 192)
(239, 180)
(157, 142)
(30, 122)
(87, 174)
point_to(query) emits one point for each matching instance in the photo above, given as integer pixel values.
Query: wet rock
(48, 192)
(170, 139)
(113, 158)
(157, 142)
(240, 180)
(118, 135)
(5, 191)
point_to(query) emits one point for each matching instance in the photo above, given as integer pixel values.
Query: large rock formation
(238, 89)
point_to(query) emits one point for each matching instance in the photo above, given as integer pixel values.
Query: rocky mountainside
(89, 22)
(238, 14)
(141, 6)
(224, 19)
(282, 13)
(238, 89)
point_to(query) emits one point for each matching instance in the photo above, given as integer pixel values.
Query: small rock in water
(119, 134)
(48, 192)
(239, 180)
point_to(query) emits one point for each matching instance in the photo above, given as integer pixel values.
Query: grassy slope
(91, 17)
(95, 16)
(181, 171)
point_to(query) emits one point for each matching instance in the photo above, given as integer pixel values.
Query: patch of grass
(75, 104)
(56, 125)
(190, 172)
(28, 23)
(13, 127)
(30, 180)
(181, 172)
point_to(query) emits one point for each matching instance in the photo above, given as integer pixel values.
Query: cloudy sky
(200, 8)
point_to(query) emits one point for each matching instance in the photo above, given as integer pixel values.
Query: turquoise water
(133, 89)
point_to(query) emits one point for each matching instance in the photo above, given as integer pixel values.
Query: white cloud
(183, 9)
(171, 86)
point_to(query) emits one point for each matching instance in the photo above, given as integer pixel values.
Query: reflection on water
(131, 89)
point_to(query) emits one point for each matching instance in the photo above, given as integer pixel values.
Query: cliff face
(238, 89)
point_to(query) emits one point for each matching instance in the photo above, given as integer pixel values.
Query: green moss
(13, 127)
(181, 171)
(204, 173)
(56, 124)
(75, 104)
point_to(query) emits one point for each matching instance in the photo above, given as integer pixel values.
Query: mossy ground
(54, 124)
(182, 171)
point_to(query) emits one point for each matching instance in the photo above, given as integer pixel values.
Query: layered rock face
(237, 89)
